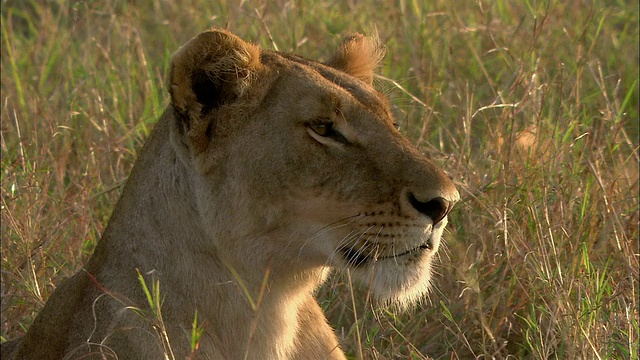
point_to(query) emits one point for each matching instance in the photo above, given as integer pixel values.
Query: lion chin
(401, 280)
(266, 170)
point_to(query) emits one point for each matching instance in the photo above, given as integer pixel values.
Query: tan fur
(265, 172)
(358, 56)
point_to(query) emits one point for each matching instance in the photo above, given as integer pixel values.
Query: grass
(532, 107)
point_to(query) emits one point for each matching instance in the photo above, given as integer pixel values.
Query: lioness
(266, 171)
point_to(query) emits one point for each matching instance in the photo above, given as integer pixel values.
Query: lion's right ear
(211, 70)
(358, 56)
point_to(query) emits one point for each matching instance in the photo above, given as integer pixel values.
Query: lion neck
(159, 233)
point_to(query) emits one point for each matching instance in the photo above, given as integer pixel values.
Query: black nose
(436, 208)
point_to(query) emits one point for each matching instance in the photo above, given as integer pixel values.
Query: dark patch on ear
(209, 131)
(210, 93)
(181, 119)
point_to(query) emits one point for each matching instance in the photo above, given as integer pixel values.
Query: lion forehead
(314, 73)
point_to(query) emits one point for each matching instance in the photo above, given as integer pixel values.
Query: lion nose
(436, 208)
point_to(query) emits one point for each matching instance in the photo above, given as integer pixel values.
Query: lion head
(299, 163)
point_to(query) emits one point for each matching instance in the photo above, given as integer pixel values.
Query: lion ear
(211, 70)
(358, 56)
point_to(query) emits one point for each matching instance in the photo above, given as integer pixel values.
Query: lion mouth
(357, 258)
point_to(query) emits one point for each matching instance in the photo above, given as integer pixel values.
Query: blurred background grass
(531, 106)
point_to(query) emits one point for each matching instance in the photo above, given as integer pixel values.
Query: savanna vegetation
(531, 106)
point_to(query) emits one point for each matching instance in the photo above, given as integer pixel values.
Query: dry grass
(531, 106)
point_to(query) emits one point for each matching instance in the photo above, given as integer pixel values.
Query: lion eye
(324, 130)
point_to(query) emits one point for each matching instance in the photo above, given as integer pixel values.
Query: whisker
(349, 239)
(339, 221)
(335, 225)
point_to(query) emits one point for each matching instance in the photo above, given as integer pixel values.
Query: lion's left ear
(212, 70)
(358, 56)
